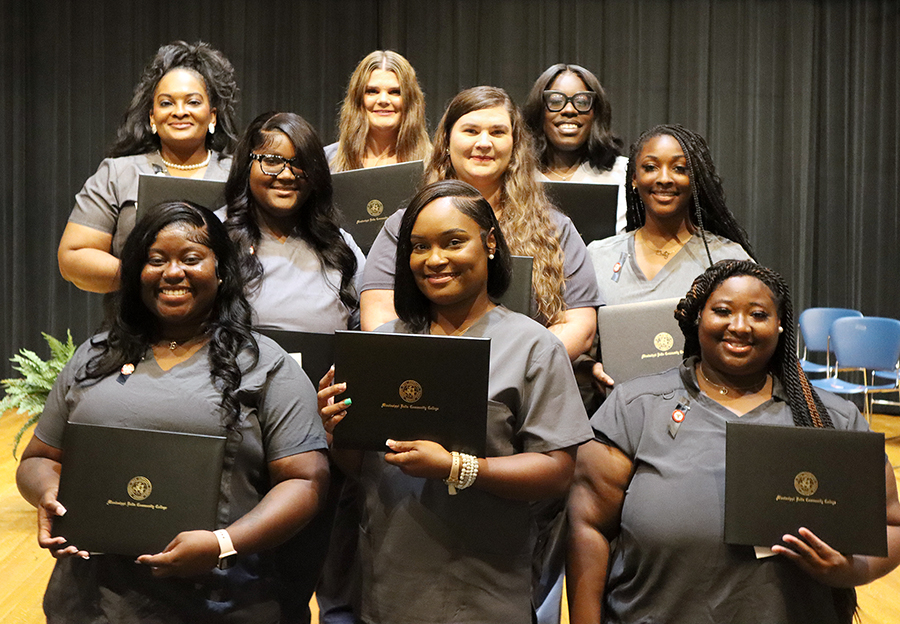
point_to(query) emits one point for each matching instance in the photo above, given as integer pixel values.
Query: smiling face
(662, 179)
(738, 329)
(568, 130)
(383, 101)
(278, 198)
(481, 145)
(181, 110)
(448, 259)
(178, 281)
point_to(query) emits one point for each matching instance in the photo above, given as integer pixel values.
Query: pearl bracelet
(463, 472)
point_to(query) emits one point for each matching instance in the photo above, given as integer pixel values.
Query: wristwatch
(227, 553)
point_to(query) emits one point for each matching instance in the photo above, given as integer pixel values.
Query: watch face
(227, 562)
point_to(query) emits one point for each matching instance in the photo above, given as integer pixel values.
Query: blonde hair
(525, 212)
(412, 136)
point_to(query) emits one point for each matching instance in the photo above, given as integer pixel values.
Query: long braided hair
(711, 214)
(806, 406)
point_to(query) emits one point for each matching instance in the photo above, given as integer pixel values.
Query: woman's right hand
(48, 509)
(330, 411)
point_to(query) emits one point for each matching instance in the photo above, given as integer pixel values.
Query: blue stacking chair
(815, 327)
(867, 344)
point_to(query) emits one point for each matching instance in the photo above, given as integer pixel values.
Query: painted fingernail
(348, 401)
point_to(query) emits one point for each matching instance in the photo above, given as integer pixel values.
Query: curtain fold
(797, 99)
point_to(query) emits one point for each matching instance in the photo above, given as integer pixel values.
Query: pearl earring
(152, 127)
(212, 128)
(780, 329)
(491, 256)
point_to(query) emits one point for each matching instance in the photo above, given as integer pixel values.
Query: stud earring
(152, 127)
(780, 329)
(212, 128)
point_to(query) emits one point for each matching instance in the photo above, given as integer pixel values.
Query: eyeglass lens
(273, 165)
(557, 100)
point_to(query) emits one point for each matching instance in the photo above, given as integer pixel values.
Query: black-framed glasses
(555, 101)
(273, 165)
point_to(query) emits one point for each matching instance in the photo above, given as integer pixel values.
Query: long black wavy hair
(602, 145)
(317, 220)
(806, 407)
(711, 214)
(411, 305)
(134, 136)
(134, 328)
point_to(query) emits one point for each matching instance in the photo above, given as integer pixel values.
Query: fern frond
(29, 393)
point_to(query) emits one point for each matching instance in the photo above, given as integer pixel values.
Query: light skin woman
(480, 150)
(382, 118)
(744, 337)
(175, 112)
(187, 282)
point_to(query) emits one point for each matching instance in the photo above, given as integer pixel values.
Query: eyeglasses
(273, 165)
(555, 101)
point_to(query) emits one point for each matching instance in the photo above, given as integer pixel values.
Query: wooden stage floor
(25, 568)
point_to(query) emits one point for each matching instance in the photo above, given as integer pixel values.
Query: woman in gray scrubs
(646, 509)
(301, 267)
(463, 554)
(181, 122)
(179, 356)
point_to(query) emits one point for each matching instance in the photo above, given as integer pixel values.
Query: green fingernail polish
(348, 402)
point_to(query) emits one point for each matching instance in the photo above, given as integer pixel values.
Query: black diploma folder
(518, 296)
(315, 350)
(591, 206)
(155, 189)
(413, 387)
(778, 479)
(367, 197)
(639, 339)
(131, 491)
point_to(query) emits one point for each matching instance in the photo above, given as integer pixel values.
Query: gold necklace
(565, 178)
(173, 344)
(723, 390)
(186, 167)
(665, 253)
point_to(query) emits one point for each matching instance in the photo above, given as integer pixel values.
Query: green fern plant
(28, 394)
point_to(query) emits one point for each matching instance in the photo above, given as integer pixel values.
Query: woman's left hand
(420, 458)
(818, 559)
(189, 554)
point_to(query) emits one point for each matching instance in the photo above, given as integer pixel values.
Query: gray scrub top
(297, 292)
(429, 557)
(673, 280)
(108, 200)
(279, 418)
(670, 558)
(581, 284)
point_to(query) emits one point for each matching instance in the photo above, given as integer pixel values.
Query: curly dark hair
(710, 212)
(411, 305)
(134, 328)
(316, 221)
(134, 136)
(806, 406)
(602, 145)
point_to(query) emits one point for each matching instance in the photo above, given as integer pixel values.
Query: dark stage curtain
(798, 100)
